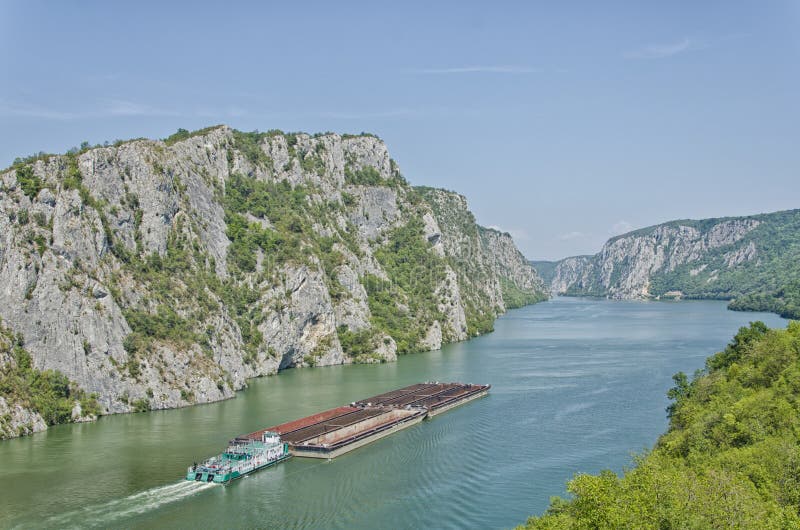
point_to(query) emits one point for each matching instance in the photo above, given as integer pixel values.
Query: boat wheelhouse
(243, 456)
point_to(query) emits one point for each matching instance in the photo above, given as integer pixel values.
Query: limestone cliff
(158, 274)
(492, 273)
(713, 258)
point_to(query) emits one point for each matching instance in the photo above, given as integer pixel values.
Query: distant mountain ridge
(722, 258)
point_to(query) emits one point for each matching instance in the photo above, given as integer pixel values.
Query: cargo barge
(334, 432)
(337, 431)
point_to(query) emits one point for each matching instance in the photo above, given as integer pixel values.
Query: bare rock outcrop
(160, 274)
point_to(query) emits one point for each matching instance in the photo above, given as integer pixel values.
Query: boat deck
(334, 424)
(428, 395)
(295, 425)
(336, 431)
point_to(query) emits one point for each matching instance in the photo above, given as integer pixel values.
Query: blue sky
(562, 122)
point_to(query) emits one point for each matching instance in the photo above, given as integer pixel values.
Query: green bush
(31, 184)
(785, 301)
(74, 178)
(249, 144)
(281, 204)
(515, 297)
(356, 343)
(183, 134)
(406, 306)
(165, 324)
(141, 405)
(48, 392)
(366, 176)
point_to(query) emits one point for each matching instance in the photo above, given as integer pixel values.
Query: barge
(334, 432)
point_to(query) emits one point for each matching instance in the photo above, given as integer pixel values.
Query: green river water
(578, 385)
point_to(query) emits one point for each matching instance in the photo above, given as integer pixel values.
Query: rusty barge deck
(333, 432)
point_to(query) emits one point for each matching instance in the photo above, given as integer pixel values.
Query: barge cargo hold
(337, 431)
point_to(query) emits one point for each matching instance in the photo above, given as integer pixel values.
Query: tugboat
(243, 456)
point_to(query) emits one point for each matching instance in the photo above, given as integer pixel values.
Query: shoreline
(236, 392)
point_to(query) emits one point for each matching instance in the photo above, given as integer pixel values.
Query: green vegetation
(777, 243)
(164, 324)
(48, 392)
(731, 456)
(249, 144)
(366, 176)
(347, 136)
(370, 176)
(480, 320)
(31, 159)
(278, 203)
(546, 270)
(360, 345)
(181, 279)
(515, 297)
(407, 305)
(784, 301)
(183, 134)
(759, 271)
(31, 184)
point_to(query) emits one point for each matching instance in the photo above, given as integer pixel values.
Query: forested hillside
(785, 301)
(752, 260)
(731, 456)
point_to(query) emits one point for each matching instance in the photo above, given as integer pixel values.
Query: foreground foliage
(730, 458)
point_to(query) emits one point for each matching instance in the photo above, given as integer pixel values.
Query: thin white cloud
(103, 109)
(662, 51)
(391, 113)
(476, 69)
(227, 112)
(25, 110)
(119, 107)
(620, 227)
(571, 235)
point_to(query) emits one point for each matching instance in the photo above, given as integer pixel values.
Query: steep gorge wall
(160, 274)
(713, 258)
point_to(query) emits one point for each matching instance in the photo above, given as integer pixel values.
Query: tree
(678, 392)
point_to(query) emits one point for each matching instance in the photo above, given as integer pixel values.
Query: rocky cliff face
(164, 273)
(492, 273)
(572, 271)
(713, 258)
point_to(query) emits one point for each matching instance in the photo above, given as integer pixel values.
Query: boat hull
(225, 478)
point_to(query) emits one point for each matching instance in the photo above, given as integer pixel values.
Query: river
(578, 385)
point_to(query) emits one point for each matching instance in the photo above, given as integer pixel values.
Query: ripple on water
(105, 514)
(576, 386)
